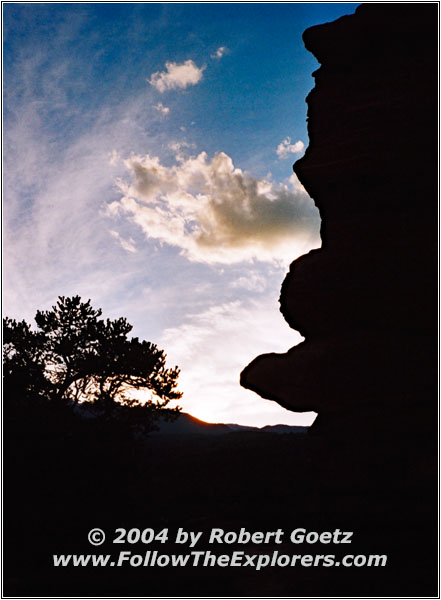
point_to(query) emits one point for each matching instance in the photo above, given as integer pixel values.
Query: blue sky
(148, 153)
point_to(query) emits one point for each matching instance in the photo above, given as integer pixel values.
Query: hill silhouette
(186, 424)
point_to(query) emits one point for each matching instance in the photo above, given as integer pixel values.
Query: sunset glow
(148, 154)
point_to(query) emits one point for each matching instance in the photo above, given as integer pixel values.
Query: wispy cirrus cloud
(176, 76)
(59, 169)
(285, 148)
(215, 212)
(127, 245)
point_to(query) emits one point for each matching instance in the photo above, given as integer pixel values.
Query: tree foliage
(76, 356)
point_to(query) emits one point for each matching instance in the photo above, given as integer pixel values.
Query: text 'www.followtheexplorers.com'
(206, 558)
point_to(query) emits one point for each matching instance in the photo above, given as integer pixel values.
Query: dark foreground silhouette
(366, 304)
(65, 475)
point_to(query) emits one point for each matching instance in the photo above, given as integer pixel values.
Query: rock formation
(366, 302)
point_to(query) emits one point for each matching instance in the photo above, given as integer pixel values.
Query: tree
(23, 360)
(75, 356)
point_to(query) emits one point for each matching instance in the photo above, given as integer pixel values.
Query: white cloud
(128, 245)
(177, 147)
(220, 52)
(296, 185)
(164, 110)
(215, 212)
(114, 158)
(214, 346)
(252, 282)
(285, 148)
(176, 76)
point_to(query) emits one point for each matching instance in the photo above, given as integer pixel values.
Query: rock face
(366, 302)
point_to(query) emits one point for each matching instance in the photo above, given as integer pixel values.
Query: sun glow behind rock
(227, 336)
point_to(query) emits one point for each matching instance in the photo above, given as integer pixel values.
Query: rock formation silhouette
(366, 302)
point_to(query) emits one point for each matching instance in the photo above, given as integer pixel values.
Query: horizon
(185, 414)
(148, 153)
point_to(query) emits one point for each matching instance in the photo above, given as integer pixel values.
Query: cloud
(220, 52)
(252, 282)
(216, 213)
(164, 110)
(60, 164)
(128, 245)
(285, 148)
(177, 147)
(176, 76)
(114, 157)
(296, 185)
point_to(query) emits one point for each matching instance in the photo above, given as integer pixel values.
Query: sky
(147, 165)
